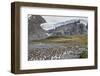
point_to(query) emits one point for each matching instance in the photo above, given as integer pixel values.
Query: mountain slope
(72, 27)
(35, 32)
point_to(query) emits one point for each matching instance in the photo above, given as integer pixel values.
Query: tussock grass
(80, 39)
(84, 54)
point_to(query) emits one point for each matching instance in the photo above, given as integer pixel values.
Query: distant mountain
(72, 27)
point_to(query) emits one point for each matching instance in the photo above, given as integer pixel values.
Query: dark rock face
(35, 32)
(71, 28)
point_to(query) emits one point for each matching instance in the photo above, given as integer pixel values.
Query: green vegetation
(80, 39)
(84, 54)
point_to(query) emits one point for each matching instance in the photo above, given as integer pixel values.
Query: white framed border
(25, 64)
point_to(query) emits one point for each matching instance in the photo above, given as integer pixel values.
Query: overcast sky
(51, 20)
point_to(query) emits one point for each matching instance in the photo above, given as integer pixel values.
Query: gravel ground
(53, 52)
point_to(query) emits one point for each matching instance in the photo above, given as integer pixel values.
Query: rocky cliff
(35, 32)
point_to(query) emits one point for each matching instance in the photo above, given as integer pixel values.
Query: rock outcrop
(35, 31)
